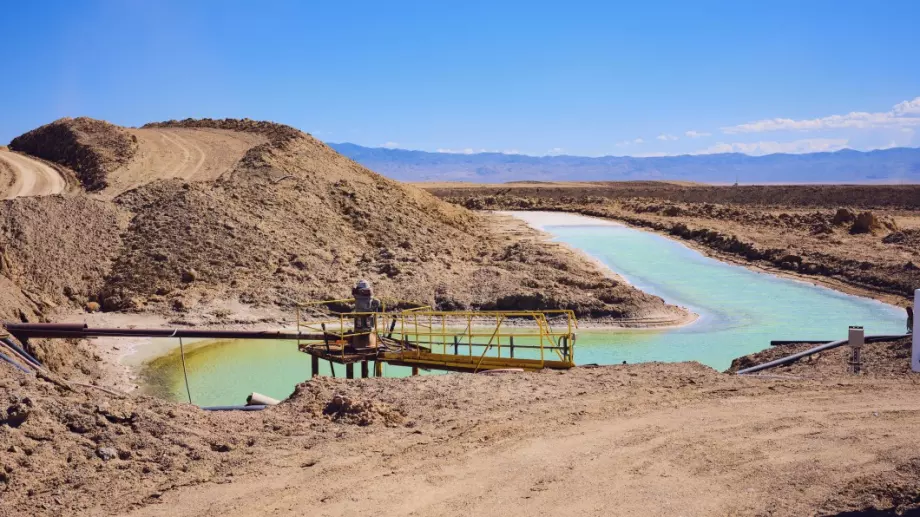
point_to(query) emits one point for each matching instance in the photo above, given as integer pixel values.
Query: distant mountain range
(898, 165)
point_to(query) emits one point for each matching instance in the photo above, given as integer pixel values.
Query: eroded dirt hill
(228, 209)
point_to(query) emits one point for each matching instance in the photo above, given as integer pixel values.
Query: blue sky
(584, 78)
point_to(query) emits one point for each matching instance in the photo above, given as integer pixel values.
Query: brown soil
(263, 213)
(22, 175)
(887, 359)
(91, 148)
(622, 440)
(871, 250)
(293, 220)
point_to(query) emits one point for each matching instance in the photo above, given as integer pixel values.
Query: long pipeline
(25, 356)
(827, 346)
(80, 330)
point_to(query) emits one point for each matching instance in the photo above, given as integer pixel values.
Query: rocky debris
(168, 245)
(867, 222)
(346, 410)
(92, 148)
(909, 238)
(843, 216)
(57, 250)
(888, 359)
(757, 234)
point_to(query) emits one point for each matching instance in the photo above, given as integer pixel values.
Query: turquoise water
(740, 312)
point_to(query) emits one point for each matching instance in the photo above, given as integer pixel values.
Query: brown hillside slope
(289, 220)
(92, 148)
(294, 220)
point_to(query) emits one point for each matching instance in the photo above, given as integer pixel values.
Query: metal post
(378, 369)
(415, 370)
(456, 346)
(915, 357)
(364, 369)
(350, 370)
(314, 365)
(857, 339)
(511, 339)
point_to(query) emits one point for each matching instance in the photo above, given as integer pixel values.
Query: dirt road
(638, 440)
(22, 176)
(189, 154)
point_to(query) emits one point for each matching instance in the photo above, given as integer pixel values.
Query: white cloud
(627, 143)
(468, 150)
(555, 151)
(666, 137)
(697, 134)
(390, 145)
(904, 114)
(811, 145)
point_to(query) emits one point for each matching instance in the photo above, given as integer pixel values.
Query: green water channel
(740, 311)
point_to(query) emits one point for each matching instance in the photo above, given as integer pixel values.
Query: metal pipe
(234, 408)
(869, 339)
(810, 351)
(14, 363)
(57, 330)
(21, 352)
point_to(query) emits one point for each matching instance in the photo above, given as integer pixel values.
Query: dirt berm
(290, 221)
(648, 439)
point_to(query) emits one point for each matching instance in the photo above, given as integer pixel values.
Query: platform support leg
(314, 366)
(378, 369)
(350, 371)
(364, 369)
(415, 370)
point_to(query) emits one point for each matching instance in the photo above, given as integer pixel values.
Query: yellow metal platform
(461, 341)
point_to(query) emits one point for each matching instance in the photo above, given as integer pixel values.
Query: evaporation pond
(740, 310)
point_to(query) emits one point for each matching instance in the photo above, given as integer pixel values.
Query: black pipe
(56, 330)
(234, 408)
(21, 352)
(810, 351)
(869, 339)
(12, 362)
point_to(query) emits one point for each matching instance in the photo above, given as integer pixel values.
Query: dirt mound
(887, 359)
(276, 134)
(294, 220)
(92, 148)
(894, 492)
(909, 238)
(867, 222)
(289, 220)
(58, 249)
(64, 447)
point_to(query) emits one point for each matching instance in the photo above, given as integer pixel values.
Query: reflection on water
(740, 312)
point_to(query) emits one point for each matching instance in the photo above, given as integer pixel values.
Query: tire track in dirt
(21, 176)
(178, 153)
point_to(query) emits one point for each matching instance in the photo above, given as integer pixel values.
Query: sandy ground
(646, 439)
(189, 154)
(21, 176)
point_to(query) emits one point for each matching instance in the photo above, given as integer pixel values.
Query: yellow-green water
(740, 312)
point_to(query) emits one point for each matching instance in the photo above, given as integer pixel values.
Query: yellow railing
(417, 331)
